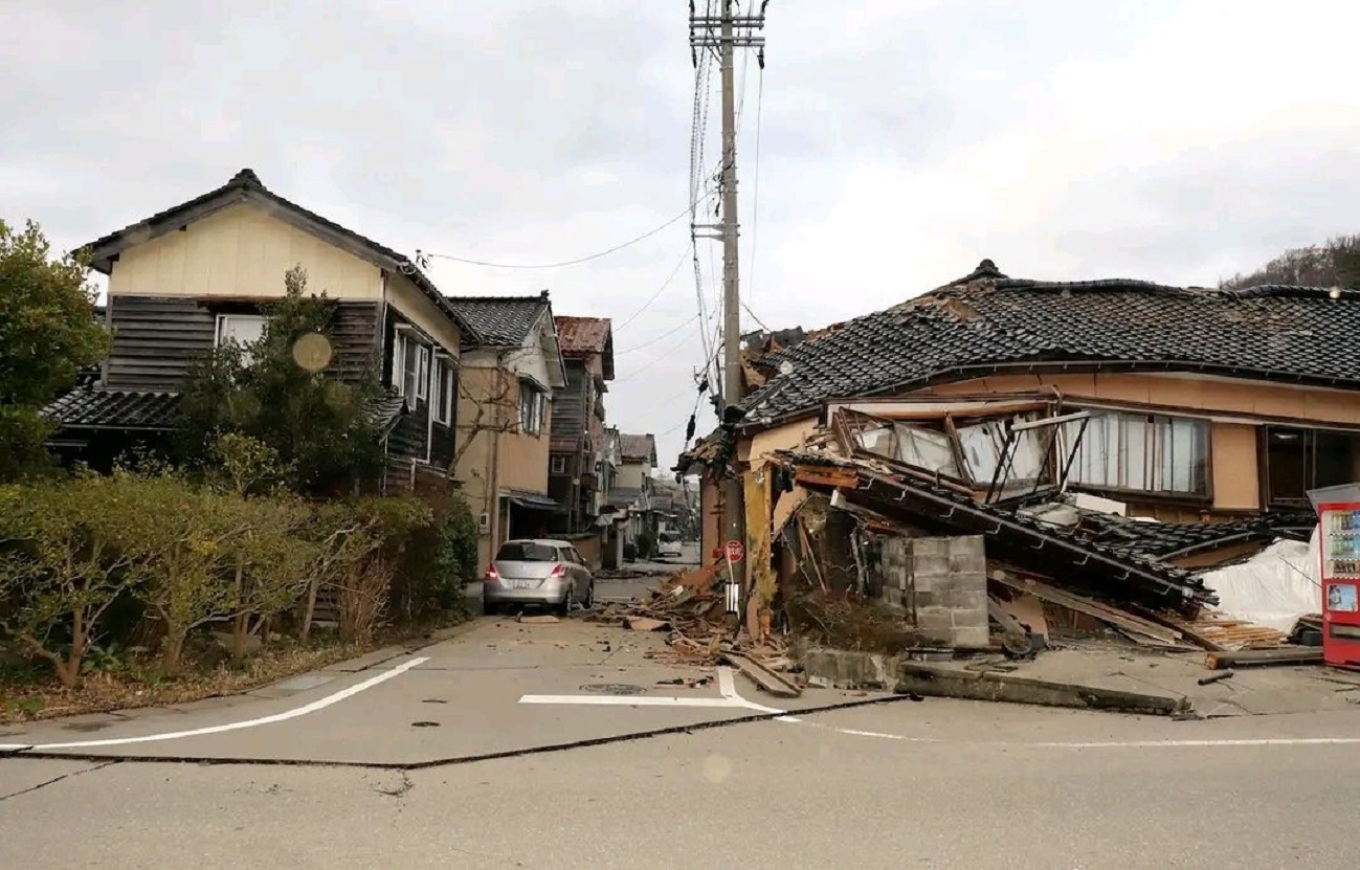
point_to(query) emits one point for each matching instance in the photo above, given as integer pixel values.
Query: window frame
(1148, 451)
(557, 465)
(220, 329)
(531, 408)
(442, 382)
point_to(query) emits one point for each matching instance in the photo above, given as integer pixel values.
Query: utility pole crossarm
(727, 32)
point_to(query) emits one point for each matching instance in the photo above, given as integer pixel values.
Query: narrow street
(563, 745)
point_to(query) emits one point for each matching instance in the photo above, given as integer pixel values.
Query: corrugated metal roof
(583, 336)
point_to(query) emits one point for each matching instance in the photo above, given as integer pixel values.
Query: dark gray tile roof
(502, 321)
(96, 408)
(641, 447)
(987, 319)
(622, 496)
(93, 408)
(1163, 540)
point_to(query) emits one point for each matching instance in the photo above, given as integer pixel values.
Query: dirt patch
(134, 687)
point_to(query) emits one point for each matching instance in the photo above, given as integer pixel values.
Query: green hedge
(96, 562)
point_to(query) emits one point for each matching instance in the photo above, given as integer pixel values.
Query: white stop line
(730, 699)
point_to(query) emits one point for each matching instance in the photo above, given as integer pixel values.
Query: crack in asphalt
(547, 749)
(56, 779)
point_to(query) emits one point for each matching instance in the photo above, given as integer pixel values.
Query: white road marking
(627, 701)
(731, 698)
(319, 704)
(1204, 743)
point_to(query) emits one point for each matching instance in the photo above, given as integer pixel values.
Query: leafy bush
(177, 556)
(286, 392)
(48, 332)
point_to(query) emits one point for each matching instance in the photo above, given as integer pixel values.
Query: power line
(755, 192)
(666, 354)
(633, 241)
(653, 341)
(662, 289)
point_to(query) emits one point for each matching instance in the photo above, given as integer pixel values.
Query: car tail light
(492, 576)
(559, 570)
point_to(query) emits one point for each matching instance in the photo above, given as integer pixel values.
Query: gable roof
(501, 321)
(986, 320)
(641, 447)
(246, 187)
(583, 336)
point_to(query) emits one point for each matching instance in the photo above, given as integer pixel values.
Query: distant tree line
(1334, 263)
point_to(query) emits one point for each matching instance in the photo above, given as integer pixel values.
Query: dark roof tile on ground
(987, 319)
(502, 321)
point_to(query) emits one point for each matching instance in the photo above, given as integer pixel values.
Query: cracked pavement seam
(39, 755)
(56, 779)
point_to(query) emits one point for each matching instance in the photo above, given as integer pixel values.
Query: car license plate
(523, 584)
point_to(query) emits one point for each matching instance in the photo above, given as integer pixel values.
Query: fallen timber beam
(1286, 655)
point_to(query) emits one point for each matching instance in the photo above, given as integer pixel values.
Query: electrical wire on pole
(727, 31)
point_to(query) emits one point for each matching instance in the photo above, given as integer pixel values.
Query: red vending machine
(1339, 539)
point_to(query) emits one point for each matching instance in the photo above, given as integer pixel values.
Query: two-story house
(193, 276)
(632, 490)
(579, 473)
(505, 411)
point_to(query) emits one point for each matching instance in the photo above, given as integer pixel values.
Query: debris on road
(1215, 678)
(644, 623)
(541, 619)
(1302, 655)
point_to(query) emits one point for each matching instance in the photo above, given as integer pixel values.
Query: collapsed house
(1001, 461)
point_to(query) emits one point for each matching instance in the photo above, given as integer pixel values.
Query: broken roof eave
(105, 251)
(754, 423)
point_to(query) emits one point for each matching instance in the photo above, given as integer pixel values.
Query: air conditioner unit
(484, 522)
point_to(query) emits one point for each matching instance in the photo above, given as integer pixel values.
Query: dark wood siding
(157, 339)
(354, 332)
(569, 402)
(410, 434)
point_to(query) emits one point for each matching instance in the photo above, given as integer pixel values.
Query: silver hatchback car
(537, 571)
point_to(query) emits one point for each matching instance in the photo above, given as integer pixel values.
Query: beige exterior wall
(1234, 445)
(1235, 474)
(496, 456)
(632, 475)
(405, 297)
(241, 251)
(1203, 394)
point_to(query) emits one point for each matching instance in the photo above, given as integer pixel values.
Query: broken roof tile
(988, 319)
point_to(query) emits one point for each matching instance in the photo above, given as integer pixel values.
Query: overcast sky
(900, 142)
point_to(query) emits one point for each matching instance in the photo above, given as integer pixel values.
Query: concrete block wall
(895, 562)
(948, 577)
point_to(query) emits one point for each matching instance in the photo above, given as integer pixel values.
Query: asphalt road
(485, 750)
(752, 795)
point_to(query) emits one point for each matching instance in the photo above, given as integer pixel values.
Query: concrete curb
(845, 669)
(949, 682)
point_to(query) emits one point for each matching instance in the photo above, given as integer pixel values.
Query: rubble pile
(1031, 564)
(689, 609)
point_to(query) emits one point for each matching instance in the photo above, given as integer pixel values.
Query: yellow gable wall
(240, 251)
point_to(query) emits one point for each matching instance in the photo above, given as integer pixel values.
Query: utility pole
(726, 32)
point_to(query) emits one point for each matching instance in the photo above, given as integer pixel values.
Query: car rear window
(526, 553)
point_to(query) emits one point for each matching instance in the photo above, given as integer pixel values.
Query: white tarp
(1274, 588)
